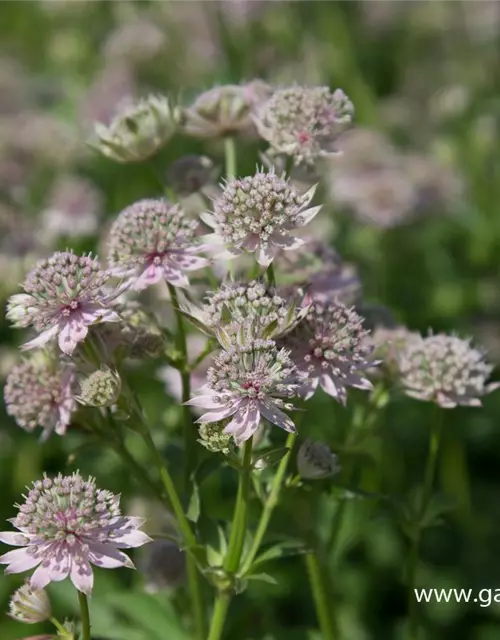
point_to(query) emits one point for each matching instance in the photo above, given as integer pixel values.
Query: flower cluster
(138, 131)
(248, 382)
(446, 370)
(258, 214)
(254, 305)
(64, 295)
(66, 523)
(39, 392)
(304, 122)
(329, 346)
(225, 111)
(150, 241)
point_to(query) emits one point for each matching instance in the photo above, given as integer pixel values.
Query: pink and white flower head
(331, 348)
(258, 306)
(64, 295)
(446, 370)
(40, 392)
(249, 382)
(151, 241)
(259, 214)
(65, 524)
(304, 122)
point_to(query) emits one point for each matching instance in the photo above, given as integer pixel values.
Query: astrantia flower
(65, 294)
(446, 370)
(388, 342)
(65, 524)
(225, 110)
(40, 392)
(249, 382)
(29, 605)
(330, 346)
(138, 131)
(304, 122)
(257, 305)
(320, 272)
(259, 214)
(152, 240)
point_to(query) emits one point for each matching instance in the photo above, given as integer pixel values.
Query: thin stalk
(239, 525)
(235, 547)
(194, 585)
(430, 472)
(270, 504)
(219, 615)
(270, 275)
(230, 157)
(189, 432)
(85, 615)
(322, 601)
(61, 630)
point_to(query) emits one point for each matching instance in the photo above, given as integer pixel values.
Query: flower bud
(138, 131)
(189, 174)
(29, 605)
(213, 438)
(316, 461)
(100, 389)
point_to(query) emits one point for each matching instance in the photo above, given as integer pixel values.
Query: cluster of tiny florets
(100, 389)
(234, 305)
(151, 239)
(255, 370)
(65, 507)
(213, 438)
(304, 122)
(258, 213)
(330, 346)
(40, 393)
(444, 369)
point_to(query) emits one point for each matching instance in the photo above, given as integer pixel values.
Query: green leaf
(153, 614)
(270, 458)
(262, 577)
(280, 550)
(193, 511)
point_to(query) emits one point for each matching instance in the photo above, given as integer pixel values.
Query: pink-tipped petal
(151, 275)
(272, 413)
(14, 538)
(82, 576)
(205, 402)
(108, 556)
(41, 577)
(42, 339)
(245, 423)
(20, 560)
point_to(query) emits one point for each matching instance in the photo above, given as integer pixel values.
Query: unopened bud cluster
(100, 389)
(138, 131)
(213, 438)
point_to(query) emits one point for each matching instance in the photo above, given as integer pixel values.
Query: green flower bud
(138, 131)
(316, 461)
(213, 438)
(30, 605)
(100, 389)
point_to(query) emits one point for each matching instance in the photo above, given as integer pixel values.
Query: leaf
(207, 467)
(193, 511)
(280, 550)
(270, 458)
(262, 577)
(154, 614)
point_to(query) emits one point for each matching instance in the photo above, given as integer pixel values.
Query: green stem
(61, 630)
(187, 534)
(270, 275)
(430, 472)
(230, 156)
(270, 504)
(321, 600)
(219, 615)
(85, 615)
(236, 541)
(239, 525)
(189, 432)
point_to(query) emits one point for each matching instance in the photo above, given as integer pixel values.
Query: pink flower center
(155, 257)
(304, 137)
(251, 385)
(69, 308)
